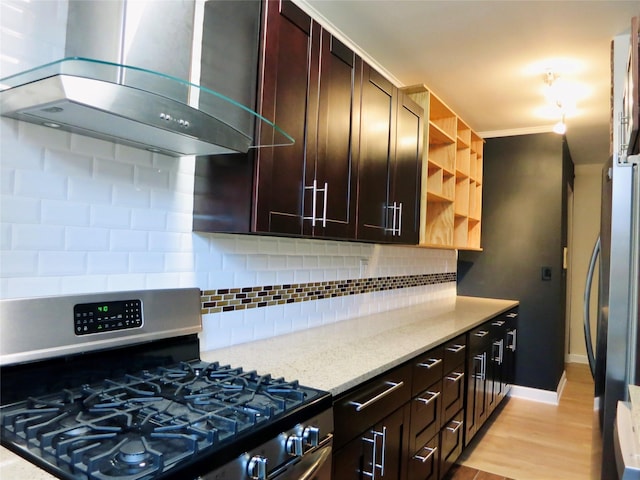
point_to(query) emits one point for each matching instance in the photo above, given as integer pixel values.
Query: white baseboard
(539, 395)
(575, 358)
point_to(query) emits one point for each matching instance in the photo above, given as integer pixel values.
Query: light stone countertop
(341, 355)
(338, 356)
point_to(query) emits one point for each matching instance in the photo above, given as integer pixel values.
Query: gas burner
(134, 454)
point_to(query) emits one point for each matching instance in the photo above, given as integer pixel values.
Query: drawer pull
(498, 323)
(429, 366)
(512, 315)
(455, 377)
(456, 348)
(456, 428)
(481, 333)
(427, 401)
(425, 458)
(393, 387)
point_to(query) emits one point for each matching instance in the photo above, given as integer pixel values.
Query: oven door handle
(310, 463)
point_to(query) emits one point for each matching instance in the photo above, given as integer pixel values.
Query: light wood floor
(536, 441)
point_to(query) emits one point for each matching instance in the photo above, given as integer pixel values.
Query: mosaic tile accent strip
(229, 299)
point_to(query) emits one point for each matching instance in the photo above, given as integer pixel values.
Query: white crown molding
(336, 32)
(517, 131)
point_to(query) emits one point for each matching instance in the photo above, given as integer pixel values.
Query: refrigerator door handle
(586, 307)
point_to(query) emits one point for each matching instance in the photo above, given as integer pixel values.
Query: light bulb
(560, 128)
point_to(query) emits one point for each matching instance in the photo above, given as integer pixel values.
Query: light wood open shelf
(451, 200)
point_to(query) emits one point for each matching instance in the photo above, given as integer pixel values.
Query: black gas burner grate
(140, 424)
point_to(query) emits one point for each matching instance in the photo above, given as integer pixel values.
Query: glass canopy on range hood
(136, 107)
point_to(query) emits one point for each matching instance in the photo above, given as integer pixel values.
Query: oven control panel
(101, 317)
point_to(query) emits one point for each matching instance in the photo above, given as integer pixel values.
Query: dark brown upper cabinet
(310, 88)
(389, 163)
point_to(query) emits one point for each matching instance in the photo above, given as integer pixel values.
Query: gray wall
(524, 212)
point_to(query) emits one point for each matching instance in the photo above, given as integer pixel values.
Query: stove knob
(257, 468)
(295, 447)
(312, 436)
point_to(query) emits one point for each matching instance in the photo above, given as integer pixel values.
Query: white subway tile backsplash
(107, 262)
(38, 237)
(59, 212)
(62, 263)
(110, 216)
(34, 286)
(68, 164)
(151, 178)
(14, 209)
(93, 147)
(44, 136)
(134, 156)
(7, 181)
(179, 222)
(18, 263)
(130, 196)
(178, 262)
(86, 283)
(257, 262)
(110, 170)
(80, 190)
(165, 280)
(129, 240)
(126, 282)
(146, 262)
(166, 241)
(152, 220)
(40, 184)
(5, 238)
(85, 238)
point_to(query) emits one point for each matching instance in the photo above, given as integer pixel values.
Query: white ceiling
(486, 59)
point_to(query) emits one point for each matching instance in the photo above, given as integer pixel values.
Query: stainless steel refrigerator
(613, 353)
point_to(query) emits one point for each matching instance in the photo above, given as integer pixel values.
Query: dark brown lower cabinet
(451, 442)
(412, 422)
(378, 452)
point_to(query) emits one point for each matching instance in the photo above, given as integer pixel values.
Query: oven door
(313, 465)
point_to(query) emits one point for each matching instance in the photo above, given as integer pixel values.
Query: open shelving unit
(451, 200)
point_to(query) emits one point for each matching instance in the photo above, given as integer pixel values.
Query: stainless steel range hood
(106, 97)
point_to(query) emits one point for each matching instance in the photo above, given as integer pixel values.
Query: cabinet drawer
(426, 410)
(454, 352)
(451, 443)
(427, 369)
(423, 464)
(480, 336)
(358, 410)
(452, 392)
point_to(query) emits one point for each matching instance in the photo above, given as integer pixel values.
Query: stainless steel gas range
(111, 386)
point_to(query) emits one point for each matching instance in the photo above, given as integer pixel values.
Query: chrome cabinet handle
(395, 211)
(429, 366)
(455, 377)
(514, 334)
(498, 323)
(481, 333)
(456, 428)
(456, 348)
(374, 460)
(425, 458)
(500, 345)
(427, 401)
(314, 202)
(400, 219)
(512, 315)
(371, 401)
(482, 358)
(396, 218)
(325, 190)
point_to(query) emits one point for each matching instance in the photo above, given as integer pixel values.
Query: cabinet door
(332, 140)
(377, 129)
(287, 56)
(406, 173)
(382, 449)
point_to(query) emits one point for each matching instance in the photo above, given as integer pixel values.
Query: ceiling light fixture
(554, 96)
